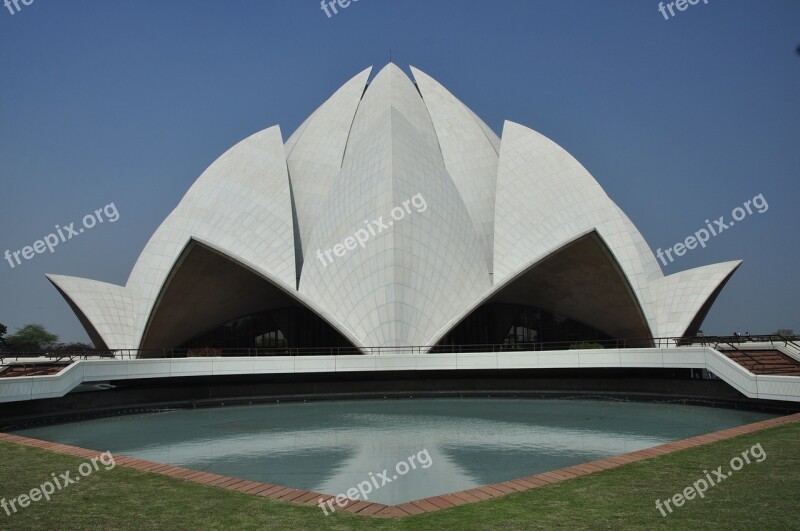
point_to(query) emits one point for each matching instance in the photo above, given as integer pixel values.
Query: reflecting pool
(331, 447)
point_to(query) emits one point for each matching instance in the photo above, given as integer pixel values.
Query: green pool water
(456, 444)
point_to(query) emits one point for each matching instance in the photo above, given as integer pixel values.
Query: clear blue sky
(679, 120)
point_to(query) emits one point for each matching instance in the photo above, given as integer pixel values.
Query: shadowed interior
(582, 282)
(205, 290)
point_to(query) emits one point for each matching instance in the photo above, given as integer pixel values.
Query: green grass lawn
(762, 495)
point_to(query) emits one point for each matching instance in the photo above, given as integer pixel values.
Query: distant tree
(3, 330)
(31, 338)
(71, 347)
(585, 345)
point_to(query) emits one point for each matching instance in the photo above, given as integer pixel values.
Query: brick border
(426, 505)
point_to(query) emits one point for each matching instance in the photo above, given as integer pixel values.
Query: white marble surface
(754, 386)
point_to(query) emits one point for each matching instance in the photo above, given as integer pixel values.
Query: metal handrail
(164, 353)
(787, 342)
(756, 363)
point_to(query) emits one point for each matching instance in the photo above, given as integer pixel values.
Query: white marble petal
(406, 282)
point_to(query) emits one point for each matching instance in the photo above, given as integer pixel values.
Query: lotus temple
(394, 243)
(518, 244)
(396, 280)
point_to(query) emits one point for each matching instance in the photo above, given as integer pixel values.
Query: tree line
(36, 338)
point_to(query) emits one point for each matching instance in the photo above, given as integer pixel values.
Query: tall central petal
(409, 279)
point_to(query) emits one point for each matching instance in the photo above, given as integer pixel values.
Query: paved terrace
(752, 385)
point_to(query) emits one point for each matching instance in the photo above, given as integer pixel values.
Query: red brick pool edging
(433, 503)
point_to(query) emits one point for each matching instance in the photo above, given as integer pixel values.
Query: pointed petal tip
(417, 73)
(390, 68)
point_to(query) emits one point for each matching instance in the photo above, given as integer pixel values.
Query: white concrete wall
(696, 357)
